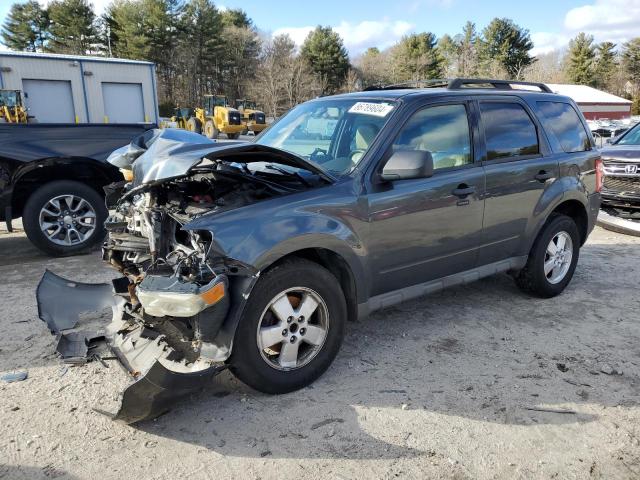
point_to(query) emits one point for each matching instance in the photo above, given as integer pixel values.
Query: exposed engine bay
(177, 286)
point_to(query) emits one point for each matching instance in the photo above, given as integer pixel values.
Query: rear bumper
(594, 203)
(226, 128)
(256, 127)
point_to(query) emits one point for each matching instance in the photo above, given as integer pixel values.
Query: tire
(532, 278)
(245, 132)
(194, 125)
(249, 361)
(31, 217)
(210, 130)
(233, 136)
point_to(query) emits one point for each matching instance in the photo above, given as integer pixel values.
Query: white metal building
(595, 104)
(79, 89)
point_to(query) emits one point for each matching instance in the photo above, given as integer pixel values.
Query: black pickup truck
(52, 175)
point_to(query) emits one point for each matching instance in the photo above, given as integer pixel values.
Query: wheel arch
(578, 212)
(87, 171)
(337, 265)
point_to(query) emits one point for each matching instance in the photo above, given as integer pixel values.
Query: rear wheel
(553, 258)
(291, 329)
(64, 217)
(210, 130)
(194, 125)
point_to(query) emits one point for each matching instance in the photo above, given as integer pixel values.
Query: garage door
(50, 101)
(123, 102)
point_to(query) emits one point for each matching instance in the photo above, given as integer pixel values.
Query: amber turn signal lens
(127, 174)
(214, 294)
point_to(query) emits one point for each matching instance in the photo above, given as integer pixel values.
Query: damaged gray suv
(252, 256)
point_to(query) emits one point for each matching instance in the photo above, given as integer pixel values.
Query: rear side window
(565, 125)
(508, 130)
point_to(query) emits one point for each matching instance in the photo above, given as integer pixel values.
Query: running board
(395, 297)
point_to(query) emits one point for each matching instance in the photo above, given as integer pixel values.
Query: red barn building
(595, 104)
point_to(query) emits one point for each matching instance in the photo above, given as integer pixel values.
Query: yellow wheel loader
(11, 108)
(179, 119)
(254, 120)
(215, 117)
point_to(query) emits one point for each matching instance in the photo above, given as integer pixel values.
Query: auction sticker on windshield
(368, 108)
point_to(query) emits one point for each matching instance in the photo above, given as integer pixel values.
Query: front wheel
(210, 130)
(64, 217)
(553, 258)
(194, 125)
(292, 328)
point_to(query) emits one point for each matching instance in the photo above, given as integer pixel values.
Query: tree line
(199, 48)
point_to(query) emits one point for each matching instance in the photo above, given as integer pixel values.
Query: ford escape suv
(252, 256)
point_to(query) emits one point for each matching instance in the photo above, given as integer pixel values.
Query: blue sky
(364, 23)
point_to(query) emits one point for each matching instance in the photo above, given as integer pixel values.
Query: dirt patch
(461, 384)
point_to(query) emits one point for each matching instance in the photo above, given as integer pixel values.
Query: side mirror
(406, 164)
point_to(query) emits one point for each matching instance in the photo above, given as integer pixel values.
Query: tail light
(599, 175)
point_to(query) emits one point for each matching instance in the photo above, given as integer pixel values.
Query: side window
(565, 125)
(508, 130)
(441, 130)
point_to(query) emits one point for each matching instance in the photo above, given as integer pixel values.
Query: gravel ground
(443, 387)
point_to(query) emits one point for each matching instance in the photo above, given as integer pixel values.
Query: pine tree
(631, 61)
(581, 60)
(605, 65)
(73, 27)
(236, 17)
(26, 27)
(416, 57)
(325, 54)
(201, 47)
(468, 60)
(505, 45)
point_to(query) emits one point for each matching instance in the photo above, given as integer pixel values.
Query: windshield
(8, 98)
(632, 137)
(333, 133)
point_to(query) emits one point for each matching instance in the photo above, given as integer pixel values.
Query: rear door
(427, 228)
(519, 168)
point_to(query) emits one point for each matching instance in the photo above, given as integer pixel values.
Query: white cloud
(358, 37)
(546, 42)
(613, 20)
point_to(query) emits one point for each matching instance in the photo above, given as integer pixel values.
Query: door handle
(543, 176)
(463, 190)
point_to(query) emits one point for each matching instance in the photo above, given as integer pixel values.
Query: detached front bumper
(160, 371)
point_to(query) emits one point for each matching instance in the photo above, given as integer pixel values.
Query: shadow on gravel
(483, 351)
(20, 472)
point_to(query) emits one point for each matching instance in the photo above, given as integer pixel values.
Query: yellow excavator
(254, 120)
(215, 117)
(11, 108)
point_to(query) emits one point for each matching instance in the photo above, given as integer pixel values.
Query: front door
(427, 228)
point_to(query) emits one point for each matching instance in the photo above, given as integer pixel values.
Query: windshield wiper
(290, 174)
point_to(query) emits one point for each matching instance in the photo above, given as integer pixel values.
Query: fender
(562, 190)
(259, 235)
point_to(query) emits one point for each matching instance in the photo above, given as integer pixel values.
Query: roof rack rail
(459, 83)
(432, 83)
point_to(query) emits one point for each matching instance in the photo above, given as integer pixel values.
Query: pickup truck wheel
(64, 217)
(291, 329)
(553, 258)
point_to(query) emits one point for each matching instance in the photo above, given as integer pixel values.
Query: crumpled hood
(162, 154)
(627, 153)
